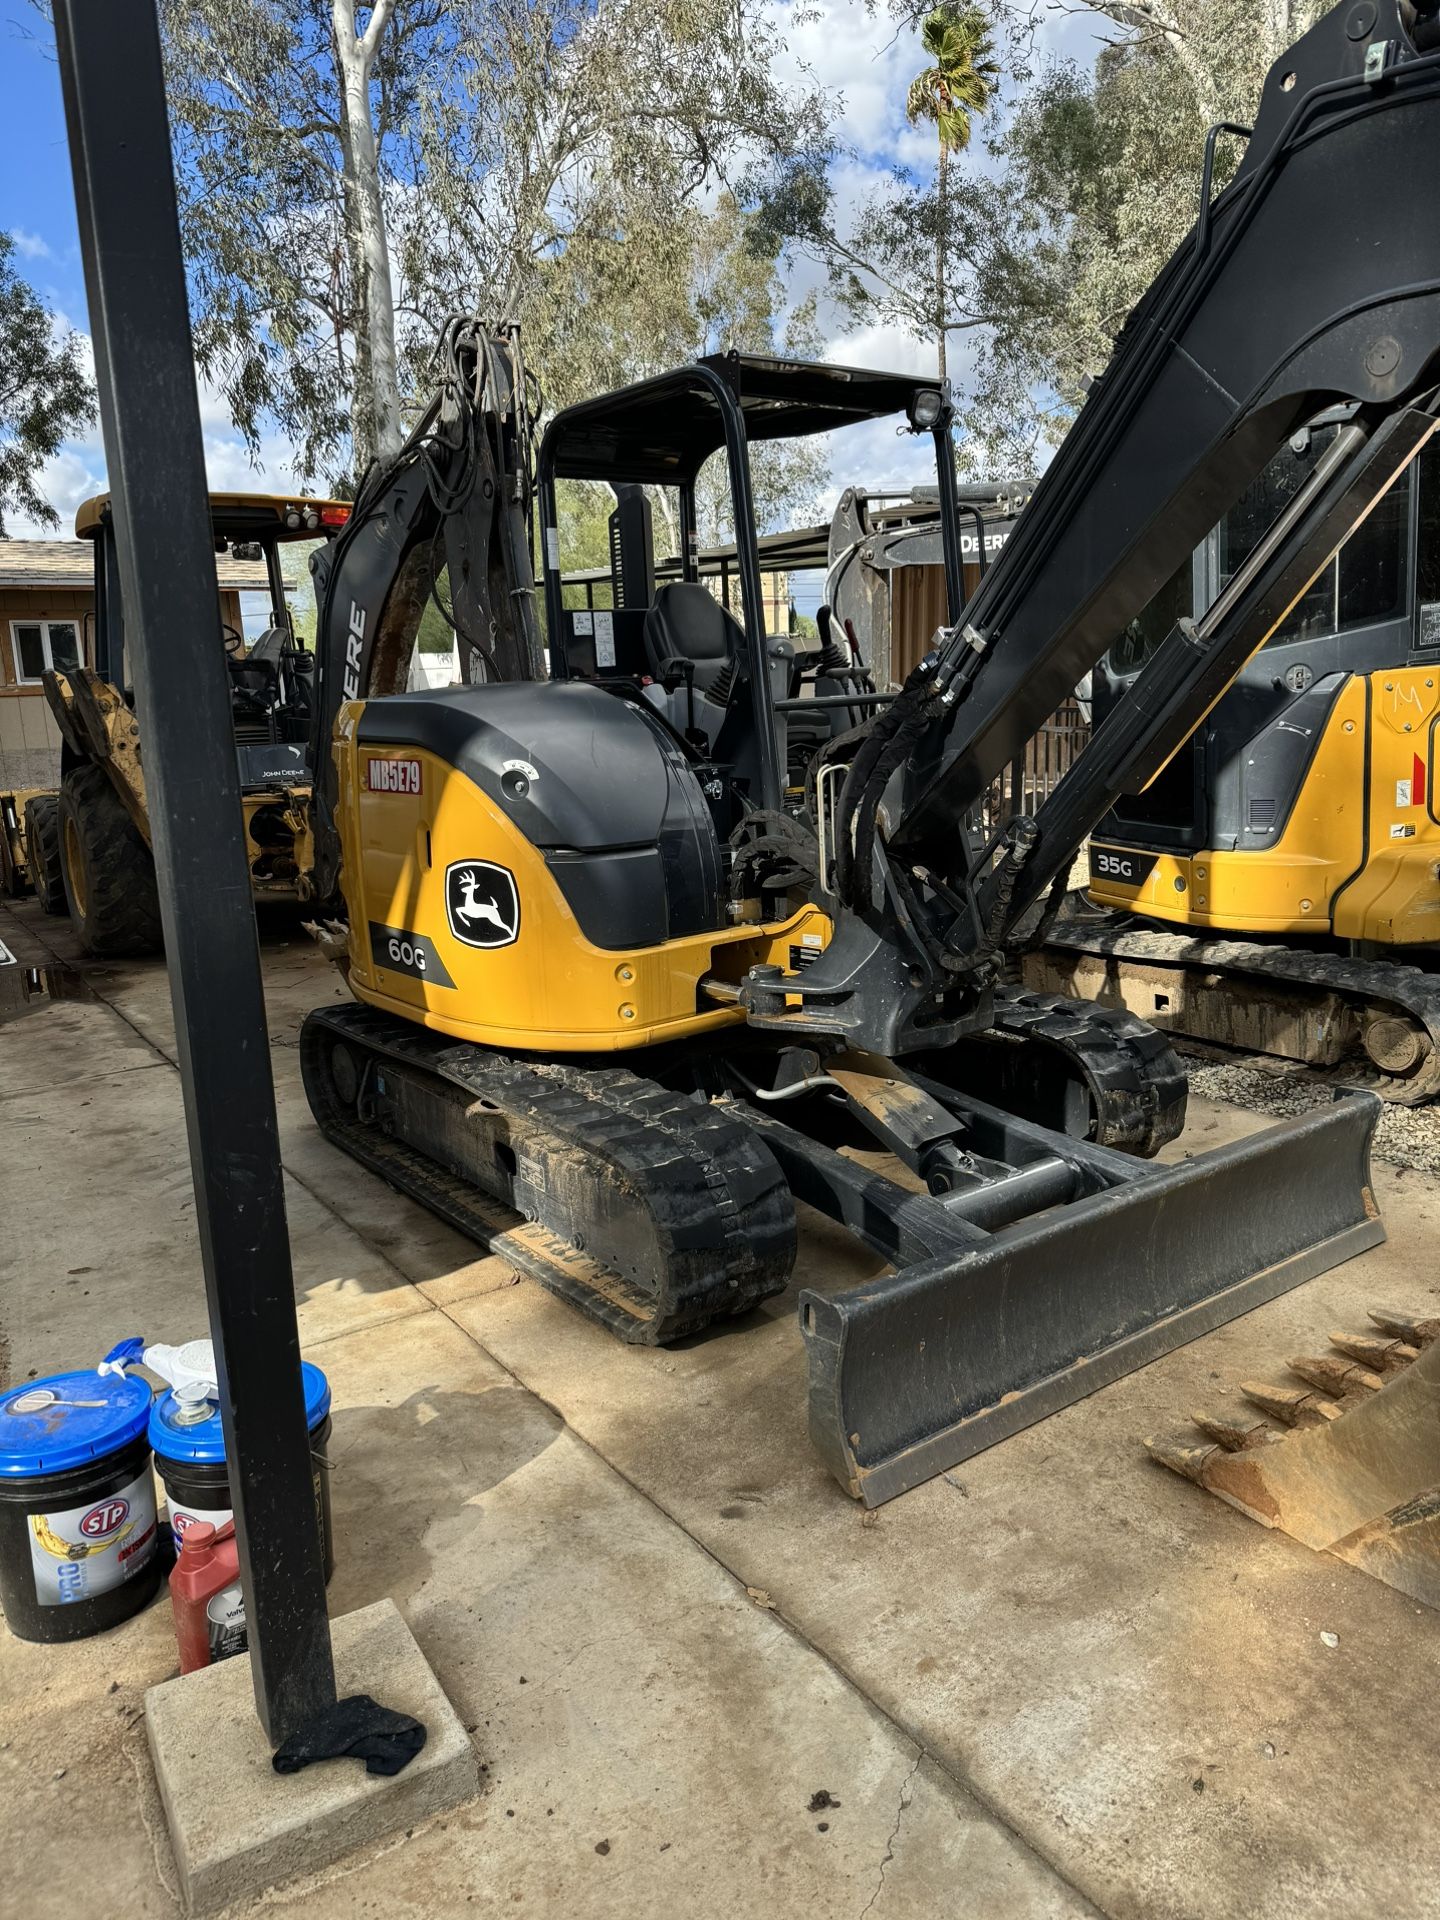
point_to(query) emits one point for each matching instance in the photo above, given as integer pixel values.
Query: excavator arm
(456, 497)
(1312, 279)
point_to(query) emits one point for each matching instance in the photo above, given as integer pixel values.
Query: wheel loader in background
(624, 995)
(85, 849)
(1264, 891)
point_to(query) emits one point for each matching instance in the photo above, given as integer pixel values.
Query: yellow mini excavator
(1275, 886)
(623, 994)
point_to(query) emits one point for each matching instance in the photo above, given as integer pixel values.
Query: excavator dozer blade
(923, 1367)
(1363, 1485)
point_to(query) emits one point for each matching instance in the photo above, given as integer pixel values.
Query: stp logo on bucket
(108, 1517)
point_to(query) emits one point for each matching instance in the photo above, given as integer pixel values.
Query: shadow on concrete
(405, 1482)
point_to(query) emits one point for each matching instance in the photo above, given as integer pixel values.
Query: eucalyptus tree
(349, 178)
(45, 392)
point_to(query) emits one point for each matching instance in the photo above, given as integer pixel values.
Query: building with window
(47, 619)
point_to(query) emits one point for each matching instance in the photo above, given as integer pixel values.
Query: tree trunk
(660, 498)
(375, 406)
(942, 243)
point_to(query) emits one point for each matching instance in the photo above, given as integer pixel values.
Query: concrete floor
(1054, 1682)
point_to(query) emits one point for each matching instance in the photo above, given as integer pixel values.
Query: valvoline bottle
(206, 1597)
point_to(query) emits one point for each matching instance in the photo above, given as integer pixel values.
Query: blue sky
(843, 46)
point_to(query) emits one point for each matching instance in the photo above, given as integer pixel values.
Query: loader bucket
(918, 1370)
(1358, 1478)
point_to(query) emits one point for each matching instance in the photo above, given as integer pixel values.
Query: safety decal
(1411, 792)
(482, 903)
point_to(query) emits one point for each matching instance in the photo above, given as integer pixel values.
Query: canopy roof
(239, 516)
(662, 431)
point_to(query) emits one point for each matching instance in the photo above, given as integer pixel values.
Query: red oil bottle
(206, 1597)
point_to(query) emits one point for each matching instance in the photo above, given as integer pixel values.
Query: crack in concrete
(134, 1745)
(889, 1854)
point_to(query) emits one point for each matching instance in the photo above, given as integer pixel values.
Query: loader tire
(109, 872)
(42, 851)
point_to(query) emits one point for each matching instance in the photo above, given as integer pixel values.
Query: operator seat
(687, 623)
(255, 687)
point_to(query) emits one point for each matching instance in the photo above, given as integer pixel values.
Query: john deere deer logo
(481, 903)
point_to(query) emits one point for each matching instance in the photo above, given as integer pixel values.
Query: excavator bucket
(978, 1333)
(1358, 1473)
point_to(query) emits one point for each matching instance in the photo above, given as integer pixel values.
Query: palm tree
(959, 83)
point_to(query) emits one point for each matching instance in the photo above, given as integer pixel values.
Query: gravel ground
(1405, 1136)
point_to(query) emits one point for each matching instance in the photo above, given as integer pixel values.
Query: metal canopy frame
(660, 432)
(119, 141)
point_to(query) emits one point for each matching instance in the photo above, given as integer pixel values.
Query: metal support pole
(950, 517)
(134, 276)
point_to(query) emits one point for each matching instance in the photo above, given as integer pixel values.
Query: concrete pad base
(237, 1826)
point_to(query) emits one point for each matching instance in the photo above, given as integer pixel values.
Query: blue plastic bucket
(190, 1458)
(77, 1505)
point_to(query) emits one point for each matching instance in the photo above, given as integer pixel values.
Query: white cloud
(862, 57)
(30, 246)
(866, 65)
(74, 474)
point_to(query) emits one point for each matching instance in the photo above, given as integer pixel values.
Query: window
(1427, 558)
(1363, 585)
(1154, 624)
(40, 644)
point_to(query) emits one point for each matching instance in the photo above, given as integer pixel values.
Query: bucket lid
(68, 1420)
(204, 1440)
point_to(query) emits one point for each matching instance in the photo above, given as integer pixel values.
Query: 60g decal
(398, 950)
(406, 953)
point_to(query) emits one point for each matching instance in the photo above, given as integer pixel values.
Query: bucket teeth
(1235, 1435)
(1419, 1332)
(1188, 1461)
(1333, 1375)
(1373, 1350)
(1296, 1406)
(1359, 1477)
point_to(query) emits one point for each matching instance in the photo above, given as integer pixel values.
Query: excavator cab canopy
(727, 686)
(662, 431)
(240, 516)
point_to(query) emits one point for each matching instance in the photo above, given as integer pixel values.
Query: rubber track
(1381, 986)
(717, 1203)
(1137, 1084)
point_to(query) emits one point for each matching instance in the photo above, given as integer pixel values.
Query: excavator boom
(1313, 278)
